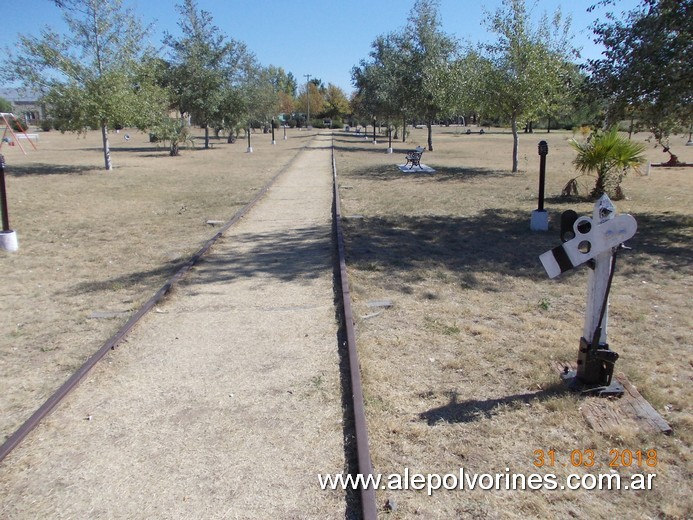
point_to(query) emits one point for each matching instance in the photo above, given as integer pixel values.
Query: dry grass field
(457, 372)
(95, 245)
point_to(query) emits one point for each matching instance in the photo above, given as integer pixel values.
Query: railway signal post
(594, 241)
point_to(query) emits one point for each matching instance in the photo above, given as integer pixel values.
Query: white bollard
(8, 241)
(539, 220)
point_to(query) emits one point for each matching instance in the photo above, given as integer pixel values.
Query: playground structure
(15, 137)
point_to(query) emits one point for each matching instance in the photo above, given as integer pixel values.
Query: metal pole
(543, 152)
(307, 76)
(3, 197)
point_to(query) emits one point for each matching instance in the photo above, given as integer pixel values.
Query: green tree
(430, 55)
(381, 82)
(610, 156)
(312, 96)
(92, 75)
(202, 60)
(5, 105)
(413, 72)
(336, 102)
(646, 70)
(261, 95)
(524, 68)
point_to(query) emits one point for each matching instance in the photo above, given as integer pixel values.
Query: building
(25, 105)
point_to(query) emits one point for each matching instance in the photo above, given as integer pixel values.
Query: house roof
(17, 95)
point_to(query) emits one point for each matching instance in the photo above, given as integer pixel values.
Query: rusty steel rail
(54, 400)
(369, 506)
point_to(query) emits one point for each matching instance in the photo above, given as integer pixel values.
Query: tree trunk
(206, 137)
(516, 143)
(404, 128)
(106, 146)
(429, 125)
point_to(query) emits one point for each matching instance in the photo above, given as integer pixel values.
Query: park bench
(414, 158)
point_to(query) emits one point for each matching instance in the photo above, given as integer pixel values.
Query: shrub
(610, 156)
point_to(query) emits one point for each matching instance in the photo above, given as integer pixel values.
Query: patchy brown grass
(457, 372)
(95, 241)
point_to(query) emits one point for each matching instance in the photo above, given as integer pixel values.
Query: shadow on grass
(141, 149)
(391, 172)
(152, 277)
(473, 410)
(39, 169)
(497, 241)
(666, 236)
(401, 247)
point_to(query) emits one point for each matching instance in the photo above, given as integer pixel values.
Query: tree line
(102, 74)
(529, 72)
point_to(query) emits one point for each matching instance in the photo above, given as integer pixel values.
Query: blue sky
(323, 38)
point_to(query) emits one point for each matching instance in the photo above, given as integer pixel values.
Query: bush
(46, 125)
(610, 156)
(17, 125)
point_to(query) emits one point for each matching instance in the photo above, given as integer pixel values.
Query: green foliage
(336, 102)
(5, 105)
(411, 73)
(610, 156)
(526, 72)
(646, 70)
(91, 73)
(175, 132)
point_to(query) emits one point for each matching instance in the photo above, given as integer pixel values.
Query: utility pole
(307, 76)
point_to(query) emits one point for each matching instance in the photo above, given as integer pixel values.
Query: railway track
(353, 392)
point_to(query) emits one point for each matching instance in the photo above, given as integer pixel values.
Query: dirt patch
(457, 372)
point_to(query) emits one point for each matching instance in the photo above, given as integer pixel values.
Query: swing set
(14, 137)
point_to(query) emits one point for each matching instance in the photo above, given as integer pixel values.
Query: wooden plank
(658, 422)
(632, 409)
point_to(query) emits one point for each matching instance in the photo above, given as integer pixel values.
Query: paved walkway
(225, 401)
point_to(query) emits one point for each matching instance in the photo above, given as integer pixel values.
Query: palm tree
(611, 156)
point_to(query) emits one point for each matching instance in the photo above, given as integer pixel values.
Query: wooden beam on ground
(632, 409)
